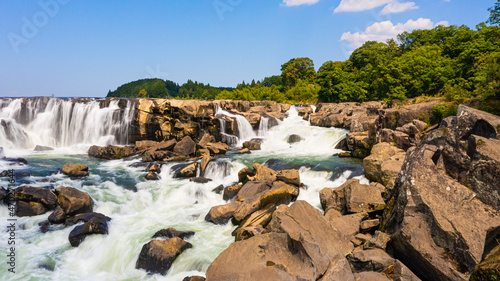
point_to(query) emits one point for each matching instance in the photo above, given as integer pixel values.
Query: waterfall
(245, 130)
(59, 122)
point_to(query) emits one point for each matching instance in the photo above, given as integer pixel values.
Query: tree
(142, 94)
(494, 18)
(295, 69)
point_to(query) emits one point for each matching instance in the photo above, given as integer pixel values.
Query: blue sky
(85, 48)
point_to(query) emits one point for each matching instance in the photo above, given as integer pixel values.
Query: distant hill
(157, 88)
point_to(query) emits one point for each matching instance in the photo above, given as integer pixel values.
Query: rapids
(139, 208)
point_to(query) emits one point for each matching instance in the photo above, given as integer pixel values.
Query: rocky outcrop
(299, 244)
(161, 119)
(438, 213)
(384, 163)
(172, 232)
(352, 197)
(251, 145)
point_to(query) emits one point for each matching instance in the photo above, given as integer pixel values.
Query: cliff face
(160, 119)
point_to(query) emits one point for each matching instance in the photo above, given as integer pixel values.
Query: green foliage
(494, 18)
(441, 111)
(455, 62)
(157, 88)
(297, 69)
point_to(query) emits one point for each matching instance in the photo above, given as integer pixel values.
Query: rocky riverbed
(230, 190)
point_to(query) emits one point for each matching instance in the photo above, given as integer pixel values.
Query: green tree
(142, 94)
(494, 18)
(295, 69)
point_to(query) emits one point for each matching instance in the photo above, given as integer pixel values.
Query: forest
(457, 63)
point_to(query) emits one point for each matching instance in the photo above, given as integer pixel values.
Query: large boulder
(221, 214)
(73, 201)
(263, 173)
(251, 145)
(96, 225)
(290, 176)
(217, 148)
(28, 209)
(300, 244)
(352, 197)
(185, 170)
(157, 256)
(36, 194)
(447, 226)
(75, 171)
(359, 143)
(185, 147)
(382, 152)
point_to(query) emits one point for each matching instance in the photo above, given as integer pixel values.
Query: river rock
(154, 167)
(348, 225)
(204, 163)
(370, 276)
(263, 173)
(359, 143)
(155, 155)
(251, 145)
(217, 148)
(158, 255)
(57, 217)
(244, 174)
(185, 170)
(75, 171)
(185, 147)
(231, 191)
(112, 151)
(152, 176)
(339, 269)
(194, 278)
(379, 240)
(243, 151)
(205, 140)
(42, 148)
(28, 209)
(360, 239)
(252, 189)
(95, 225)
(172, 232)
(370, 260)
(85, 217)
(352, 197)
(380, 153)
(221, 214)
(36, 194)
(74, 201)
(290, 176)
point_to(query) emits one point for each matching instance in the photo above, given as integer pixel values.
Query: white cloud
(359, 5)
(290, 3)
(381, 31)
(398, 7)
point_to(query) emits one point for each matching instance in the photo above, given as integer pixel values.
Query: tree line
(455, 62)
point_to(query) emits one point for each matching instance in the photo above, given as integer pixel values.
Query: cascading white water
(168, 202)
(62, 123)
(245, 130)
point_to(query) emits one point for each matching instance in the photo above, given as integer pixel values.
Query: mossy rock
(489, 268)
